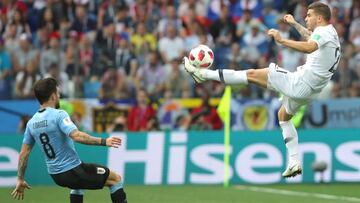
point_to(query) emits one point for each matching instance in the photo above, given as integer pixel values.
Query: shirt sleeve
(320, 36)
(28, 138)
(65, 124)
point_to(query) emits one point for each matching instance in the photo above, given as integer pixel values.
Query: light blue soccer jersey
(50, 129)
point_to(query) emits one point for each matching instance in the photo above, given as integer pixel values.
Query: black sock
(76, 198)
(119, 196)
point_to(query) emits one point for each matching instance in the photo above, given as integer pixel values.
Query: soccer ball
(201, 56)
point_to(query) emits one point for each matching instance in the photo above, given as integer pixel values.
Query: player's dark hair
(321, 9)
(44, 88)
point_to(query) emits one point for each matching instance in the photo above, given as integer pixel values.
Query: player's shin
(117, 193)
(226, 76)
(291, 140)
(76, 196)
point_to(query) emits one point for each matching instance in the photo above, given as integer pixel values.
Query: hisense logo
(175, 160)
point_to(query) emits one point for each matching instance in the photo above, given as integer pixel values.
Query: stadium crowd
(132, 49)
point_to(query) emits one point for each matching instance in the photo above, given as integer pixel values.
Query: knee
(280, 117)
(283, 115)
(117, 178)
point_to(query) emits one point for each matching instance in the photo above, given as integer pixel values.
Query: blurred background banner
(339, 113)
(256, 114)
(197, 157)
(95, 115)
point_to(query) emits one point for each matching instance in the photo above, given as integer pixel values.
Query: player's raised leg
(255, 76)
(116, 184)
(291, 141)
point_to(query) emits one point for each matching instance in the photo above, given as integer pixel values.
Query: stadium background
(118, 64)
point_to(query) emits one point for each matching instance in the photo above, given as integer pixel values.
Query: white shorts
(295, 92)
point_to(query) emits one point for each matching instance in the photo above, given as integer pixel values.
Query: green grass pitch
(294, 193)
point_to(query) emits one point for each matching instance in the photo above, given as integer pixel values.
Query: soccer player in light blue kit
(54, 132)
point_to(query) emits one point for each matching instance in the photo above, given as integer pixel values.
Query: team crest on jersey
(67, 121)
(100, 170)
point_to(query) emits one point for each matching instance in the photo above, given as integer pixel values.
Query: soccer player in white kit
(322, 47)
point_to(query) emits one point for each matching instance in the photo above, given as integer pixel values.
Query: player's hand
(275, 34)
(113, 142)
(18, 192)
(288, 18)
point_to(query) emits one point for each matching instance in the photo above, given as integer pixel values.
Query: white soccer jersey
(321, 64)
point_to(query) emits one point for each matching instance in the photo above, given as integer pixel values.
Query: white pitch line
(297, 193)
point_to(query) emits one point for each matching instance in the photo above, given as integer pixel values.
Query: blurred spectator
(108, 9)
(287, 58)
(183, 122)
(205, 117)
(244, 25)
(345, 81)
(223, 30)
(114, 85)
(125, 60)
(9, 8)
(153, 124)
(24, 54)
(68, 10)
(86, 54)
(83, 23)
(256, 6)
(49, 21)
(25, 80)
(197, 5)
(144, 11)
(5, 72)
(118, 125)
(123, 22)
(171, 19)
(300, 12)
(105, 38)
(20, 23)
(151, 76)
(169, 111)
(176, 81)
(61, 77)
(256, 39)
(141, 113)
(171, 46)
(41, 41)
(54, 55)
(11, 40)
(143, 42)
(234, 58)
(72, 54)
(190, 36)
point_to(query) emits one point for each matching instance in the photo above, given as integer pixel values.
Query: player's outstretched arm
(21, 185)
(305, 47)
(305, 33)
(87, 139)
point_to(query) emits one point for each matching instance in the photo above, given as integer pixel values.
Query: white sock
(226, 76)
(291, 140)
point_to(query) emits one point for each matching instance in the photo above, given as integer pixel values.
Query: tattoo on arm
(305, 33)
(23, 160)
(87, 139)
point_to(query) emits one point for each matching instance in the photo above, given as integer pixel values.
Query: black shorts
(84, 176)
